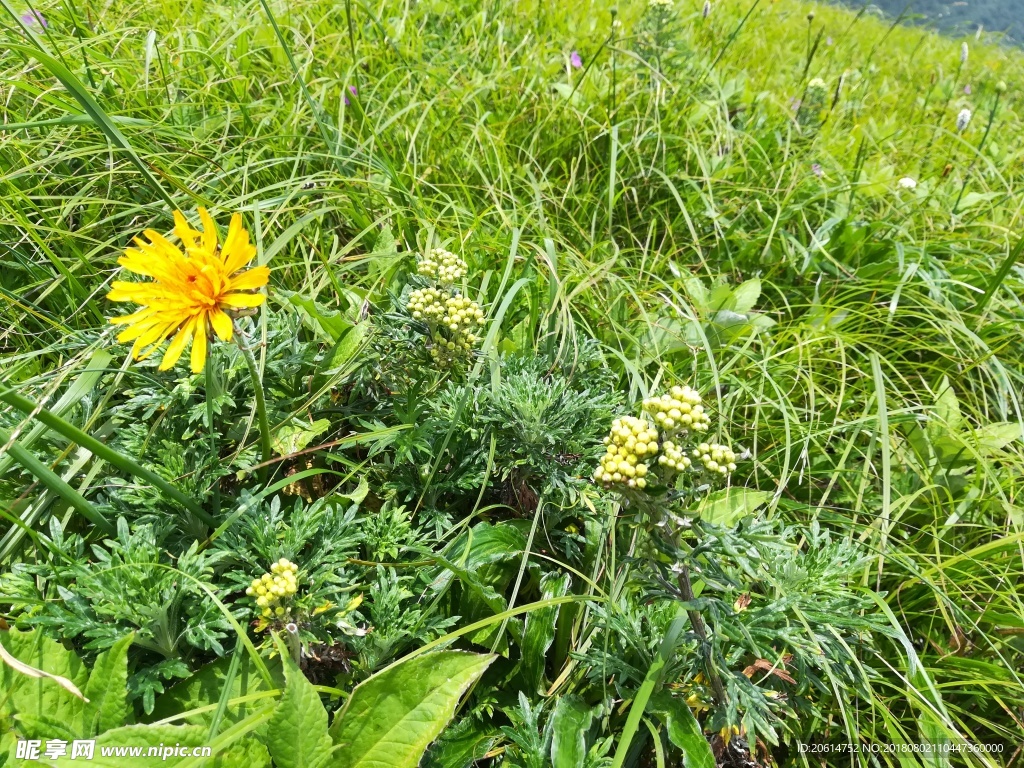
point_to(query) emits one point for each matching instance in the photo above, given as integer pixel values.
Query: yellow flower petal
(251, 279)
(209, 238)
(242, 299)
(184, 231)
(221, 324)
(177, 346)
(199, 347)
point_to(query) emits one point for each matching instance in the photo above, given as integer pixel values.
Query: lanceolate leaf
(391, 718)
(570, 722)
(297, 733)
(684, 731)
(107, 689)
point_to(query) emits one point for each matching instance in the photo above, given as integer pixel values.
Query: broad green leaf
(994, 437)
(487, 544)
(342, 353)
(461, 744)
(296, 435)
(132, 744)
(698, 293)
(297, 732)
(745, 296)
(947, 418)
(330, 324)
(391, 718)
(43, 696)
(730, 505)
(540, 631)
(205, 687)
(107, 689)
(570, 722)
(684, 731)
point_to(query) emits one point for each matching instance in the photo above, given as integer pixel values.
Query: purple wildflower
(575, 60)
(967, 89)
(35, 19)
(351, 88)
(816, 170)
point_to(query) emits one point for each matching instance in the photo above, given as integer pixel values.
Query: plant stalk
(697, 622)
(261, 407)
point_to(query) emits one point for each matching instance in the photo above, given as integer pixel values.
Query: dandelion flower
(193, 288)
(907, 183)
(963, 120)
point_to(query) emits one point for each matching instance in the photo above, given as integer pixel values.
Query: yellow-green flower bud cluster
(273, 590)
(441, 265)
(426, 304)
(672, 456)
(716, 457)
(462, 318)
(679, 409)
(629, 444)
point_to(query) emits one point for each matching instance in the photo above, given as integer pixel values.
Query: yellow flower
(190, 290)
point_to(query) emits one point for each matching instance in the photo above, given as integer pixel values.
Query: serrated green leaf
(297, 732)
(107, 689)
(391, 718)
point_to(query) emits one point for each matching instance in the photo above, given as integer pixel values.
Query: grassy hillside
(812, 219)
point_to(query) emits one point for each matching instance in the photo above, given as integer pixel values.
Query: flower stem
(261, 406)
(700, 628)
(212, 391)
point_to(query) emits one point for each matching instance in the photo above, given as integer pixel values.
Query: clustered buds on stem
(681, 409)
(273, 590)
(633, 442)
(441, 265)
(630, 441)
(716, 457)
(452, 319)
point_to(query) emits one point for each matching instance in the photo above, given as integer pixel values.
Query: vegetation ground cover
(603, 385)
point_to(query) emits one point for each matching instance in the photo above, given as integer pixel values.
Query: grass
(612, 188)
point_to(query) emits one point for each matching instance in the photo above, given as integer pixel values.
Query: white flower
(707, 8)
(907, 183)
(963, 120)
(964, 52)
